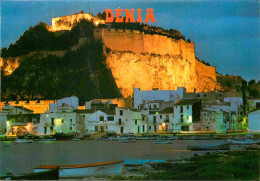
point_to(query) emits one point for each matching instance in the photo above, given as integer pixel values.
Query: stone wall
(154, 61)
(138, 42)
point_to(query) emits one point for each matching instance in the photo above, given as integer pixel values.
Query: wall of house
(152, 95)
(254, 121)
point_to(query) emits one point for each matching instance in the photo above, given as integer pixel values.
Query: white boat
(243, 142)
(97, 169)
(163, 142)
(18, 140)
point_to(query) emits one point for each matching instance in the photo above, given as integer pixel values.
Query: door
(122, 130)
(138, 129)
(102, 129)
(143, 128)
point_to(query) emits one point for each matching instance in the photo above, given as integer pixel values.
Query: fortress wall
(138, 42)
(206, 71)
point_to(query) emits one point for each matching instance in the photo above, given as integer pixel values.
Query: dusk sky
(226, 33)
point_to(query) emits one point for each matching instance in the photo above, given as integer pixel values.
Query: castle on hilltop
(66, 22)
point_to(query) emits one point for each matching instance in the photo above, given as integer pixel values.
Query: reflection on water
(22, 157)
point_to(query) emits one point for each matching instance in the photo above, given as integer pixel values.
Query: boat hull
(243, 142)
(210, 147)
(99, 170)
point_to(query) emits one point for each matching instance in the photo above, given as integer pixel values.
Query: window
(52, 121)
(70, 128)
(51, 129)
(135, 122)
(84, 116)
(160, 116)
(188, 107)
(96, 128)
(70, 121)
(182, 118)
(62, 121)
(150, 127)
(220, 95)
(101, 118)
(121, 129)
(167, 118)
(198, 95)
(181, 110)
(119, 121)
(143, 118)
(121, 112)
(110, 118)
(154, 119)
(154, 127)
(187, 117)
(205, 95)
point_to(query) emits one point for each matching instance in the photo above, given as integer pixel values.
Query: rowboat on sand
(223, 146)
(97, 169)
(52, 174)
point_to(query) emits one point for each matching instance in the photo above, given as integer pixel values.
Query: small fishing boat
(97, 169)
(22, 139)
(142, 138)
(223, 146)
(52, 174)
(243, 142)
(163, 142)
(48, 138)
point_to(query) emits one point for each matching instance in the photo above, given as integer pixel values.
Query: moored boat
(52, 174)
(223, 146)
(243, 142)
(163, 142)
(22, 139)
(97, 169)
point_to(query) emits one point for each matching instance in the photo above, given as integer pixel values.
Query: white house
(153, 95)
(61, 119)
(130, 121)
(160, 121)
(186, 112)
(254, 120)
(212, 120)
(11, 110)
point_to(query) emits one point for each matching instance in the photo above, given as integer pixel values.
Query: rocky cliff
(154, 61)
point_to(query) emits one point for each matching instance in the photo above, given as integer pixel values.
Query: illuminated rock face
(66, 22)
(153, 61)
(10, 64)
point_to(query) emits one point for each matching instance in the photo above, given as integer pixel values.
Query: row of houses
(151, 111)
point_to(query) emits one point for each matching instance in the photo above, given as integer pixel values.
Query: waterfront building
(5, 122)
(254, 120)
(61, 119)
(186, 112)
(160, 120)
(212, 120)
